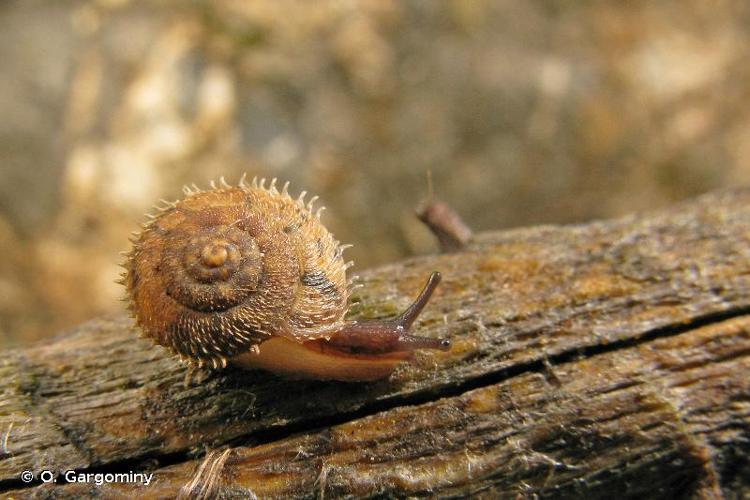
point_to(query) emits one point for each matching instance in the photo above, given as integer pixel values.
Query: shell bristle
(340, 249)
(301, 199)
(311, 202)
(165, 205)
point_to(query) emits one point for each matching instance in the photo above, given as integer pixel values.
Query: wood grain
(607, 358)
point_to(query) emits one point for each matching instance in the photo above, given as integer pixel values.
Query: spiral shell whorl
(224, 269)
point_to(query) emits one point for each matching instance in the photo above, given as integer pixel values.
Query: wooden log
(604, 359)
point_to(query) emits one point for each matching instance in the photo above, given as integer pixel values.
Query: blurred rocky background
(524, 112)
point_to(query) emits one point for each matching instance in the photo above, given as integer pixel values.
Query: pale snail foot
(361, 351)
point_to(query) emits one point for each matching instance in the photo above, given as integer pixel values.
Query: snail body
(248, 275)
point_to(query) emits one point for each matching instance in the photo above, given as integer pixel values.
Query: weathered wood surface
(605, 359)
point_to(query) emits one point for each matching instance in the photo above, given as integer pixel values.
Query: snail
(247, 275)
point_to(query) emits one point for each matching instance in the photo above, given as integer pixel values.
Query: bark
(607, 359)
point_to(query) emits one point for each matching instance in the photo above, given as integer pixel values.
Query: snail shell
(235, 272)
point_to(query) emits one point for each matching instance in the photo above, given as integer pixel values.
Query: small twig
(208, 478)
(447, 226)
(5, 451)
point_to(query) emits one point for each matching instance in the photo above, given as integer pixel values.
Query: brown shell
(217, 273)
